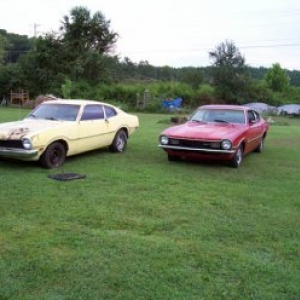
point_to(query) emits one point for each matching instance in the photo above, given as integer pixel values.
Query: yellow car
(60, 128)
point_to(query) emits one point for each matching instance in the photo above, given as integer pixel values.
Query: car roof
(75, 101)
(224, 106)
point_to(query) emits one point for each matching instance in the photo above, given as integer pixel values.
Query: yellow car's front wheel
(54, 156)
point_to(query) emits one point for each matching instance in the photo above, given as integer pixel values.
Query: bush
(205, 94)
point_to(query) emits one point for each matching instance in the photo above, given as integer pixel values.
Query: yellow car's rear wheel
(120, 142)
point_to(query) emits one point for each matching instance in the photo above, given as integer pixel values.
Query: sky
(177, 33)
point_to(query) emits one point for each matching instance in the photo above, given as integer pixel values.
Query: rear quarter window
(109, 111)
(92, 112)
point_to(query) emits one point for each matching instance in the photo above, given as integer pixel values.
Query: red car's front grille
(195, 144)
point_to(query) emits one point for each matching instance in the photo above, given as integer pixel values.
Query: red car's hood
(211, 131)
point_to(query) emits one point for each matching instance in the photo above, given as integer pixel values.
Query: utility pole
(35, 26)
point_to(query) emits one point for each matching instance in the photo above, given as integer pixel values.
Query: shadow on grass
(17, 164)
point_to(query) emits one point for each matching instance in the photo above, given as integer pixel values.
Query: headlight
(27, 144)
(226, 145)
(164, 140)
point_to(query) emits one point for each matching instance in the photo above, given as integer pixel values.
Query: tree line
(78, 61)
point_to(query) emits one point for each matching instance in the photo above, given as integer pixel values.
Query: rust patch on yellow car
(14, 134)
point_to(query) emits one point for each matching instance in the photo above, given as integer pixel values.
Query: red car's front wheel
(237, 159)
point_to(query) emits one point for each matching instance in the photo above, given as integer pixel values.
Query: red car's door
(254, 131)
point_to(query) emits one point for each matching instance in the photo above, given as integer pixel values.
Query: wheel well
(63, 142)
(243, 143)
(124, 129)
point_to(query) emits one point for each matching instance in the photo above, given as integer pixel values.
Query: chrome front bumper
(18, 153)
(196, 149)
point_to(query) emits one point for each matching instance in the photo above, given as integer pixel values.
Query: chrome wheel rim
(120, 143)
(239, 156)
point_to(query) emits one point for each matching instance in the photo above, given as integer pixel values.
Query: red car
(216, 133)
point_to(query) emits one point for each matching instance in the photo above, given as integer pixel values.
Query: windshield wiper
(51, 118)
(32, 116)
(221, 121)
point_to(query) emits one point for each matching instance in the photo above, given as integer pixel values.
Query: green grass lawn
(140, 227)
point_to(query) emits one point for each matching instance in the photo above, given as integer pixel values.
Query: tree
(82, 43)
(3, 44)
(16, 46)
(192, 76)
(80, 50)
(82, 32)
(229, 71)
(277, 79)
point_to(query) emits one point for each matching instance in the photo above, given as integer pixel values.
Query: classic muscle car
(216, 132)
(60, 128)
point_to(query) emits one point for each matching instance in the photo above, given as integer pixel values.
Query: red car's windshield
(219, 115)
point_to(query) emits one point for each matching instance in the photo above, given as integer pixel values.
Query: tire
(261, 146)
(120, 142)
(54, 156)
(237, 159)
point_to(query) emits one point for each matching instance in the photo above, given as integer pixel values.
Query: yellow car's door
(93, 130)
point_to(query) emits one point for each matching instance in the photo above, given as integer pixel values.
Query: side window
(257, 116)
(92, 112)
(251, 116)
(109, 111)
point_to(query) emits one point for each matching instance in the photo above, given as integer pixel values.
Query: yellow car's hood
(19, 129)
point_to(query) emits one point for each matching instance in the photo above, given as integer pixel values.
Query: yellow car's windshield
(56, 111)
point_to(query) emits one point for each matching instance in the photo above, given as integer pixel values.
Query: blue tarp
(172, 104)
